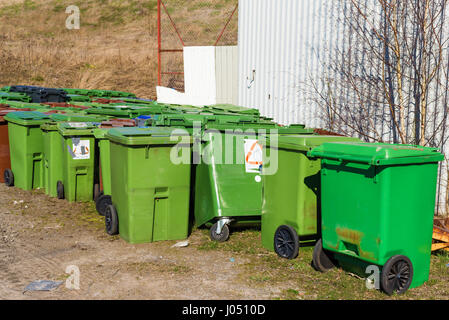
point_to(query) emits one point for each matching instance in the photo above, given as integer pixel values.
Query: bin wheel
(97, 192)
(223, 236)
(9, 177)
(397, 275)
(60, 189)
(102, 203)
(111, 220)
(286, 242)
(322, 260)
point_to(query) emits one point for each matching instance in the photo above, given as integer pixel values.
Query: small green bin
(291, 189)
(378, 203)
(79, 161)
(150, 193)
(228, 188)
(26, 149)
(53, 148)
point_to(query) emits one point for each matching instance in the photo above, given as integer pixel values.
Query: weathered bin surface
(290, 210)
(104, 149)
(79, 160)
(150, 193)
(228, 188)
(26, 149)
(378, 203)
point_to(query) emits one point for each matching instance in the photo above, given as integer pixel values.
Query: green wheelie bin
(53, 148)
(150, 184)
(103, 189)
(291, 190)
(26, 149)
(378, 203)
(127, 111)
(228, 188)
(78, 161)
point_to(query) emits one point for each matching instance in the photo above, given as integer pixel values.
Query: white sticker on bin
(253, 156)
(81, 150)
(77, 124)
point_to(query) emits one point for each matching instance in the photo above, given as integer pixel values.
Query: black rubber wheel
(9, 177)
(60, 190)
(97, 192)
(102, 203)
(111, 220)
(223, 236)
(322, 260)
(286, 242)
(397, 275)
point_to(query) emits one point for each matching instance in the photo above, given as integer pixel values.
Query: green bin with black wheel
(26, 149)
(378, 204)
(79, 161)
(228, 182)
(150, 184)
(291, 190)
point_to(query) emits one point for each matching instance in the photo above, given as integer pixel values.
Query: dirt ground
(41, 236)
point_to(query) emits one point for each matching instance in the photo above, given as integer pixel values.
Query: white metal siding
(279, 47)
(226, 72)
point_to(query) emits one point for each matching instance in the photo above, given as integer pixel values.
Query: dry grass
(114, 49)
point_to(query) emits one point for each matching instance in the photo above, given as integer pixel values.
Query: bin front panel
(150, 193)
(224, 187)
(79, 167)
(290, 196)
(26, 151)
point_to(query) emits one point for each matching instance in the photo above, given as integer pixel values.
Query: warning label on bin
(77, 124)
(253, 156)
(80, 149)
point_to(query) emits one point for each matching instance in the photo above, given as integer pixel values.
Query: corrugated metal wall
(282, 44)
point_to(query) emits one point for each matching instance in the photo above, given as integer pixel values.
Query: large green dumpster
(79, 161)
(228, 188)
(150, 192)
(291, 189)
(104, 151)
(378, 203)
(26, 149)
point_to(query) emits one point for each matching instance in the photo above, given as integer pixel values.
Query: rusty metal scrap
(440, 235)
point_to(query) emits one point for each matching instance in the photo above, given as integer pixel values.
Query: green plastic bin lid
(306, 142)
(76, 117)
(27, 118)
(147, 136)
(233, 108)
(49, 126)
(73, 128)
(377, 154)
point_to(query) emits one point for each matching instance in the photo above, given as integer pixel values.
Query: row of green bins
(126, 111)
(14, 96)
(98, 93)
(104, 150)
(291, 192)
(228, 183)
(150, 191)
(78, 98)
(54, 151)
(26, 149)
(378, 203)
